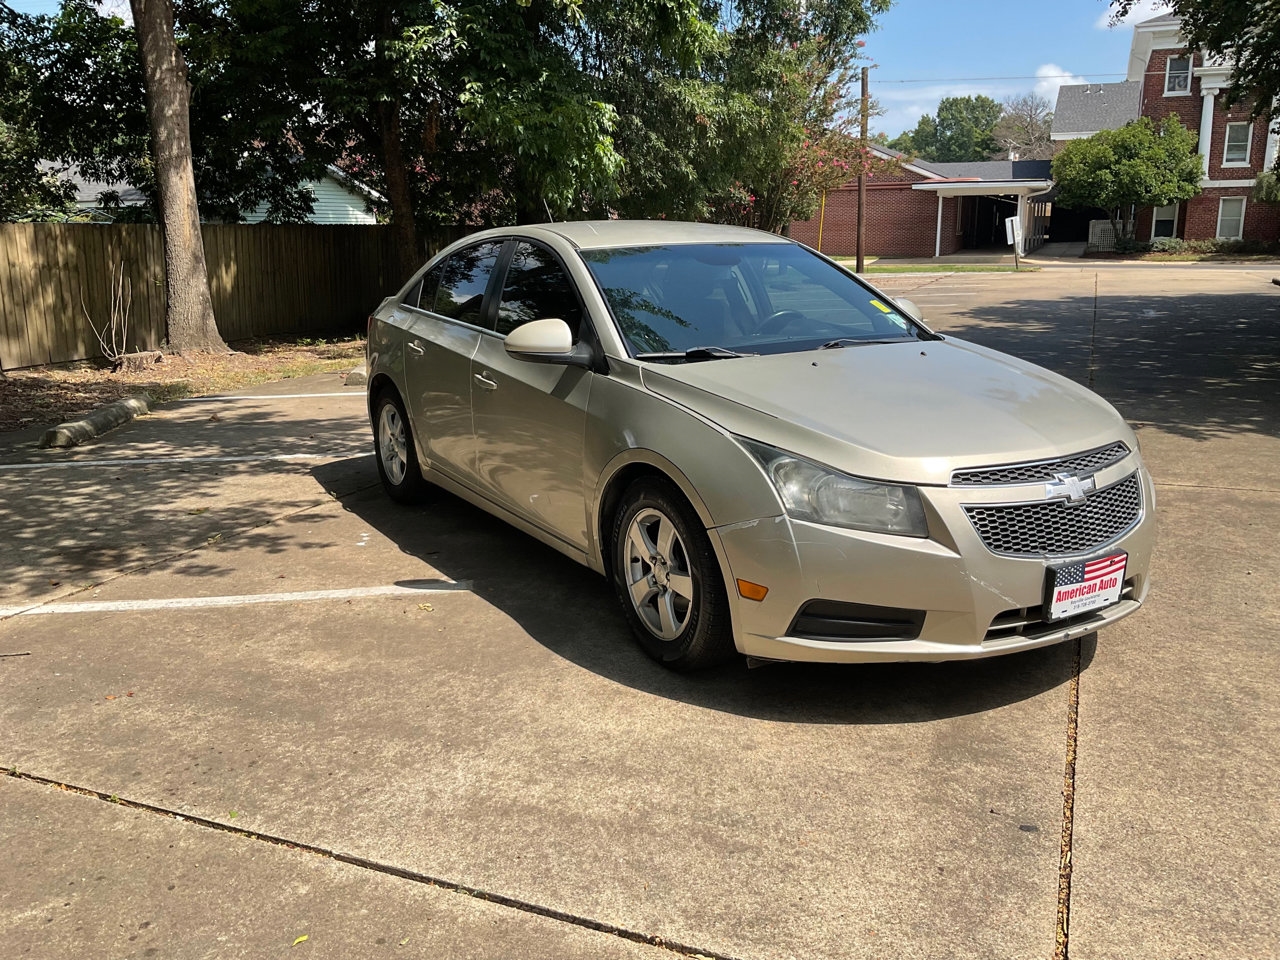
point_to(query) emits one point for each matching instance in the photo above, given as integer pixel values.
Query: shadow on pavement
(1195, 365)
(68, 526)
(572, 611)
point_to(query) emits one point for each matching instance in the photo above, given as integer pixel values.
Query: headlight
(813, 492)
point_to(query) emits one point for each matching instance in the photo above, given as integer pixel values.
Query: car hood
(910, 412)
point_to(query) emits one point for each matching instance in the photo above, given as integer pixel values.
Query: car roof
(596, 234)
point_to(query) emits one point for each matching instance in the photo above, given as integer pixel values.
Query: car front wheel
(667, 578)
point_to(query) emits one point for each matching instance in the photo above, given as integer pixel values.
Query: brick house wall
(1156, 105)
(901, 222)
(1198, 217)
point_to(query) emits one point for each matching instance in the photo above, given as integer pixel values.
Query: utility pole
(862, 176)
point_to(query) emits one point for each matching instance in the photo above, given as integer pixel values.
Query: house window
(1236, 152)
(1231, 218)
(1177, 76)
(1164, 221)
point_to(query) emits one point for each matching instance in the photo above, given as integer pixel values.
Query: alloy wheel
(392, 446)
(659, 581)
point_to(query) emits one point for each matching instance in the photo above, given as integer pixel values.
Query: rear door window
(537, 288)
(423, 293)
(465, 278)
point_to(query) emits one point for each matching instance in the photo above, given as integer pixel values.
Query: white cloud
(1050, 78)
(1142, 10)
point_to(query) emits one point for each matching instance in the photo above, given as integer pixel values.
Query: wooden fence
(265, 280)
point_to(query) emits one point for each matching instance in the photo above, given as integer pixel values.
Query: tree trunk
(189, 321)
(408, 257)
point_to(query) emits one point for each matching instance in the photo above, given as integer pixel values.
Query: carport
(996, 200)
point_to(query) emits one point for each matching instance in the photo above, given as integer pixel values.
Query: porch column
(1022, 219)
(937, 242)
(1206, 125)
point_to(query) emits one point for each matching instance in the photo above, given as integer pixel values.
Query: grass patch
(944, 268)
(44, 396)
(1189, 257)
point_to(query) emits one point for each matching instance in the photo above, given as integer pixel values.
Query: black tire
(704, 637)
(402, 485)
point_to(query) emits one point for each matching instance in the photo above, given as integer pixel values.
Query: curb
(357, 377)
(98, 422)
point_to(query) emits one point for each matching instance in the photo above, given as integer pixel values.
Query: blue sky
(925, 50)
(944, 47)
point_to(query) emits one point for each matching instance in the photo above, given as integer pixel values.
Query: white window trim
(1244, 202)
(1248, 143)
(1190, 74)
(1176, 207)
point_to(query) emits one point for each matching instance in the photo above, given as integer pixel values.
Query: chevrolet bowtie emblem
(1069, 487)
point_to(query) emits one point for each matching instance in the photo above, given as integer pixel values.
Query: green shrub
(1130, 245)
(1168, 245)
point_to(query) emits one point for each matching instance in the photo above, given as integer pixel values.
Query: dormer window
(1177, 76)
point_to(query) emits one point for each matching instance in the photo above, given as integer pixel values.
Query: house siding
(333, 204)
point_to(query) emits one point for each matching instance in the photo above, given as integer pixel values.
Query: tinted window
(423, 293)
(465, 277)
(536, 289)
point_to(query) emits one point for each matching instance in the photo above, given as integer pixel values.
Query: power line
(1036, 76)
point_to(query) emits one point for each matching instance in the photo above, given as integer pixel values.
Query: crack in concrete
(1212, 486)
(1062, 935)
(413, 876)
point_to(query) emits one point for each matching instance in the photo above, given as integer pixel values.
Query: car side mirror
(548, 341)
(909, 308)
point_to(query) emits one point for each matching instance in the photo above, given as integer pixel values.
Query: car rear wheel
(667, 578)
(394, 450)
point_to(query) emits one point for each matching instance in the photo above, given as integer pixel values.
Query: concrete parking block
(189, 475)
(86, 878)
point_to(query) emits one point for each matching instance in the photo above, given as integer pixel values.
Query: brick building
(1166, 79)
(930, 209)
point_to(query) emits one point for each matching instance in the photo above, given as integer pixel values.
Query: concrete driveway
(247, 699)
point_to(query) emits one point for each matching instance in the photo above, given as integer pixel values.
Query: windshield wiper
(855, 342)
(694, 353)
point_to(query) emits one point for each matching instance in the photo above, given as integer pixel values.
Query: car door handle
(485, 382)
(415, 347)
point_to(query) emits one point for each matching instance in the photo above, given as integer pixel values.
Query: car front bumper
(975, 603)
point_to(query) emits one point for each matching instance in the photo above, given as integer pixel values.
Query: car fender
(628, 425)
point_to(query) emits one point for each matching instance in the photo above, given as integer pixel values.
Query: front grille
(1029, 622)
(1055, 527)
(1081, 464)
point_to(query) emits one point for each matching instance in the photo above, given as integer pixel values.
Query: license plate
(1075, 588)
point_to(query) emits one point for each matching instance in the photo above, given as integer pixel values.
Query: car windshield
(741, 298)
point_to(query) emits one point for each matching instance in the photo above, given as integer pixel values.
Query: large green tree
(1245, 33)
(1138, 165)
(25, 185)
(962, 130)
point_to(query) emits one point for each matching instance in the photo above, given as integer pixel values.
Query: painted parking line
(151, 461)
(272, 396)
(405, 588)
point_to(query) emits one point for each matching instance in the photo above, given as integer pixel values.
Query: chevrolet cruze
(761, 451)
